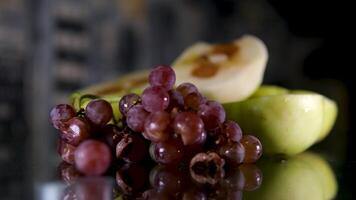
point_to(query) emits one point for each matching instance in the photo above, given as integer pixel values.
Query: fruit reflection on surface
(134, 181)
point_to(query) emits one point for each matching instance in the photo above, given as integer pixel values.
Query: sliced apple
(224, 72)
(286, 123)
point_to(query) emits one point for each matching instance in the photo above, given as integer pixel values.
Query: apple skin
(285, 122)
(305, 176)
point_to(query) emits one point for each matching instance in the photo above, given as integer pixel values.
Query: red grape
(61, 113)
(163, 76)
(66, 151)
(232, 131)
(75, 131)
(253, 148)
(176, 100)
(169, 152)
(155, 98)
(111, 135)
(92, 157)
(193, 101)
(189, 126)
(157, 126)
(127, 101)
(186, 88)
(233, 153)
(68, 173)
(253, 176)
(136, 117)
(98, 112)
(213, 114)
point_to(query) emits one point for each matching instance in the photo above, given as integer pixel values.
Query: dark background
(50, 48)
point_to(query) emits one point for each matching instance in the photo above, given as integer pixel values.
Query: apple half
(285, 122)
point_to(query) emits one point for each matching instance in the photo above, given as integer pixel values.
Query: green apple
(286, 123)
(306, 176)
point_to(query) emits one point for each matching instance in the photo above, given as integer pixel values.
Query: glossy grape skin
(253, 176)
(136, 117)
(253, 148)
(155, 98)
(189, 126)
(193, 100)
(186, 88)
(232, 131)
(75, 131)
(163, 76)
(99, 112)
(127, 101)
(176, 100)
(131, 148)
(233, 153)
(212, 113)
(92, 157)
(157, 126)
(66, 152)
(60, 114)
(170, 152)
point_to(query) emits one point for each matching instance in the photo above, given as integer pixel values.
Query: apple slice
(286, 123)
(224, 72)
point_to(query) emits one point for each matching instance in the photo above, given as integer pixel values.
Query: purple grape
(66, 151)
(253, 148)
(75, 131)
(131, 148)
(92, 157)
(232, 131)
(186, 88)
(193, 100)
(127, 101)
(163, 76)
(233, 153)
(60, 114)
(189, 126)
(213, 114)
(155, 98)
(136, 117)
(157, 127)
(176, 100)
(98, 112)
(169, 152)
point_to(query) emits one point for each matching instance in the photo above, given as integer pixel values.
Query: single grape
(169, 152)
(189, 126)
(192, 149)
(193, 100)
(60, 114)
(136, 117)
(163, 76)
(253, 148)
(232, 131)
(176, 100)
(131, 148)
(99, 112)
(157, 127)
(233, 153)
(212, 113)
(92, 157)
(127, 101)
(186, 88)
(155, 98)
(66, 151)
(75, 131)
(253, 176)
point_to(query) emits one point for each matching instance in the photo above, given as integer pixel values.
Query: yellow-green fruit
(294, 179)
(324, 172)
(285, 123)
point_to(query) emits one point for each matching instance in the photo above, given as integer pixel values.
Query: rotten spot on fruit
(207, 168)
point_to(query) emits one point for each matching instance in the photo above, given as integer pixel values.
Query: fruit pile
(175, 126)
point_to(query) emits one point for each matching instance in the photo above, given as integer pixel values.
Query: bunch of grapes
(174, 125)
